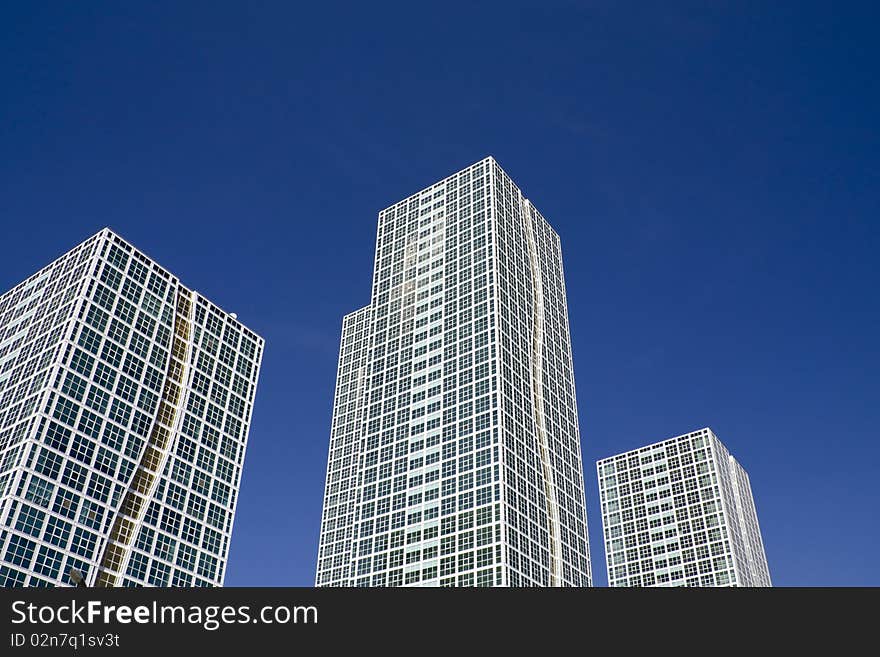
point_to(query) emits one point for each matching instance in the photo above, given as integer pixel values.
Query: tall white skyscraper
(680, 513)
(125, 404)
(455, 453)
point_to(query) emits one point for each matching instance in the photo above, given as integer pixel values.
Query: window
(99, 487)
(83, 543)
(57, 532)
(30, 520)
(207, 566)
(48, 562)
(39, 491)
(20, 550)
(48, 463)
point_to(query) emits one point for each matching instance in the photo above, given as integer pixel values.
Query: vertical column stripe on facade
(537, 382)
(155, 454)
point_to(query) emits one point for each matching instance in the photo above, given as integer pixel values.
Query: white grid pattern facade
(680, 513)
(455, 450)
(125, 404)
(345, 439)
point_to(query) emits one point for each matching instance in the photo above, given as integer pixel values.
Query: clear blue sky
(712, 171)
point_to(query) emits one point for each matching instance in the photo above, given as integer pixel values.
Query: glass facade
(680, 513)
(125, 403)
(455, 450)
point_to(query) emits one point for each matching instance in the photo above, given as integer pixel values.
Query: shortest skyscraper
(680, 513)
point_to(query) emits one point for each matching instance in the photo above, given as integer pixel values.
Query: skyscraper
(454, 449)
(125, 404)
(680, 513)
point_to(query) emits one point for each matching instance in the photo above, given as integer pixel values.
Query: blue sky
(711, 168)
